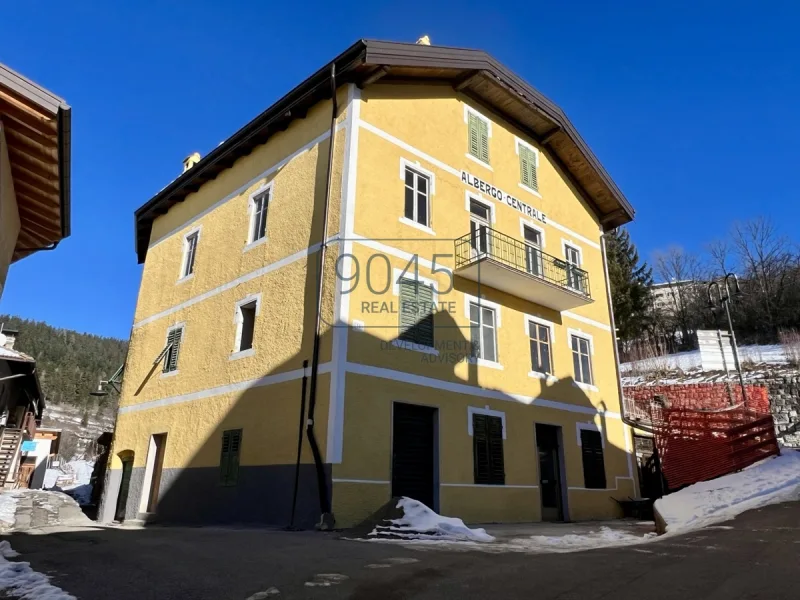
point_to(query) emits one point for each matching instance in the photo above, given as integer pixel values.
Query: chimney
(191, 161)
(424, 41)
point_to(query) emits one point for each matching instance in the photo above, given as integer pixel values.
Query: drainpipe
(326, 518)
(299, 444)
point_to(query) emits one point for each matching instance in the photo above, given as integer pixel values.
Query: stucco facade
(364, 372)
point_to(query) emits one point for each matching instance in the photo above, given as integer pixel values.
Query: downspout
(625, 419)
(326, 518)
(299, 444)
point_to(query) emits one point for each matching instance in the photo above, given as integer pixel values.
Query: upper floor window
(479, 219)
(189, 253)
(575, 276)
(259, 203)
(479, 132)
(483, 331)
(174, 338)
(417, 200)
(528, 166)
(539, 335)
(533, 250)
(246, 313)
(581, 359)
(416, 312)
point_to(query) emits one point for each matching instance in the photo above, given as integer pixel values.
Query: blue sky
(692, 108)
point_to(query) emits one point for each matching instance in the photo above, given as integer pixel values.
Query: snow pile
(605, 537)
(772, 354)
(8, 509)
(73, 480)
(18, 580)
(768, 482)
(81, 471)
(420, 522)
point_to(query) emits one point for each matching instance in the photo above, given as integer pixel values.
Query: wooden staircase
(10, 441)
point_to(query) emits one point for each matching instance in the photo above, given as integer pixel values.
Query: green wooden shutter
(480, 449)
(484, 135)
(229, 457)
(171, 358)
(474, 136)
(594, 469)
(408, 310)
(425, 322)
(527, 167)
(497, 474)
(416, 312)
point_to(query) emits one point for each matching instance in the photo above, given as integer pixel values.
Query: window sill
(416, 225)
(528, 189)
(169, 374)
(185, 279)
(585, 386)
(543, 376)
(482, 362)
(479, 161)
(415, 347)
(242, 354)
(255, 244)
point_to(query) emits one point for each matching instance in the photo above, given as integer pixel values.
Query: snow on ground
(18, 580)
(8, 509)
(771, 481)
(687, 361)
(420, 522)
(73, 478)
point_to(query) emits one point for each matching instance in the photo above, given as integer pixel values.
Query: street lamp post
(725, 300)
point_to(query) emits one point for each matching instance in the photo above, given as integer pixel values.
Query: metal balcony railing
(486, 243)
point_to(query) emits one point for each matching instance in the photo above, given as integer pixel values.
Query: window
(581, 361)
(528, 163)
(417, 197)
(416, 312)
(594, 469)
(258, 221)
(245, 325)
(229, 457)
(533, 250)
(189, 252)
(174, 337)
(540, 348)
(478, 136)
(479, 219)
(575, 278)
(482, 323)
(487, 449)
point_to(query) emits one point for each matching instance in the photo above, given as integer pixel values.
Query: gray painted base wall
(262, 495)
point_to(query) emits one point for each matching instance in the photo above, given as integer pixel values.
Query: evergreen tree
(630, 285)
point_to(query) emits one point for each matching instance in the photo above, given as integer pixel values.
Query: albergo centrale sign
(501, 196)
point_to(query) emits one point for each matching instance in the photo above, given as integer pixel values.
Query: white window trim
(410, 275)
(543, 376)
(589, 427)
(238, 321)
(483, 200)
(588, 387)
(467, 110)
(483, 302)
(416, 225)
(519, 142)
(170, 329)
(416, 166)
(564, 243)
(523, 223)
(185, 253)
(551, 327)
(269, 188)
(581, 334)
(483, 362)
(406, 345)
(474, 410)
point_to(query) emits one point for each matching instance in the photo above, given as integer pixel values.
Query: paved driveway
(755, 556)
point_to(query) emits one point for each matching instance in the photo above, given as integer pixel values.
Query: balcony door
(533, 250)
(574, 273)
(479, 221)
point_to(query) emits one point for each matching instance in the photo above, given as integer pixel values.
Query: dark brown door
(413, 453)
(124, 485)
(549, 448)
(160, 441)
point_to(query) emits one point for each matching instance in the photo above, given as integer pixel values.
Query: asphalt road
(755, 556)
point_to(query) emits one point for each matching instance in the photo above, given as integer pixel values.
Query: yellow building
(459, 350)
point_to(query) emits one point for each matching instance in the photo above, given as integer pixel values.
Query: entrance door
(549, 446)
(160, 441)
(414, 453)
(124, 485)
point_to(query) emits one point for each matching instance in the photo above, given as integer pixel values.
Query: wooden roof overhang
(471, 72)
(36, 126)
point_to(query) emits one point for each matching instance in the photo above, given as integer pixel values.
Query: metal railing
(484, 242)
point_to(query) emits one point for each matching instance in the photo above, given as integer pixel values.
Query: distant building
(34, 215)
(480, 380)
(669, 297)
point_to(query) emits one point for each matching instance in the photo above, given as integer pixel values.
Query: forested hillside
(70, 364)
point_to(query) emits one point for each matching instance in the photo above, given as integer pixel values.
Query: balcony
(497, 260)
